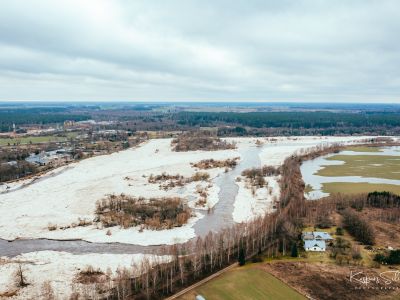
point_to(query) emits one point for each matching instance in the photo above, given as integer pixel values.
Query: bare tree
(20, 276)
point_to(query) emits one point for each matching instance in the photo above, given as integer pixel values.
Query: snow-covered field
(70, 195)
(248, 206)
(59, 270)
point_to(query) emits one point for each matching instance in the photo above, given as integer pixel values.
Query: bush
(339, 231)
(356, 253)
(393, 258)
(380, 258)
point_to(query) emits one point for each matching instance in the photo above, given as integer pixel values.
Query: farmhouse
(316, 240)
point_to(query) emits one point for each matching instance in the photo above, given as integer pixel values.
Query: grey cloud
(200, 50)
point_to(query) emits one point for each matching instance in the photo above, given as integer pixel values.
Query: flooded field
(354, 170)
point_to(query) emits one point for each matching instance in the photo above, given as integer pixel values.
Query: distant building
(69, 123)
(55, 157)
(316, 240)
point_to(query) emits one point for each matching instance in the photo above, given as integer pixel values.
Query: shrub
(356, 253)
(380, 258)
(339, 231)
(394, 257)
(90, 275)
(52, 227)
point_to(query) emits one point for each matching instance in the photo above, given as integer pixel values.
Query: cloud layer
(200, 50)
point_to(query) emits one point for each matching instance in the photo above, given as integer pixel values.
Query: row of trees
(358, 227)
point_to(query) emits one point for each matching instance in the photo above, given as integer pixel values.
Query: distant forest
(8, 117)
(298, 122)
(380, 121)
(291, 119)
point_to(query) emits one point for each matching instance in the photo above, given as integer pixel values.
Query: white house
(316, 240)
(314, 245)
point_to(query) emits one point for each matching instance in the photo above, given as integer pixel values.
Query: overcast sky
(347, 51)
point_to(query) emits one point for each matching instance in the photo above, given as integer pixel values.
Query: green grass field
(363, 149)
(36, 139)
(357, 188)
(380, 166)
(246, 282)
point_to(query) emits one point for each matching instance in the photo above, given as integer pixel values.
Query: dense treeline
(7, 155)
(17, 170)
(34, 116)
(293, 123)
(383, 200)
(291, 119)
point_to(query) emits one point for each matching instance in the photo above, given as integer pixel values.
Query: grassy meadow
(379, 166)
(36, 139)
(249, 282)
(357, 188)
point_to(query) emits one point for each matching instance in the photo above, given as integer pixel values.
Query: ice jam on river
(54, 206)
